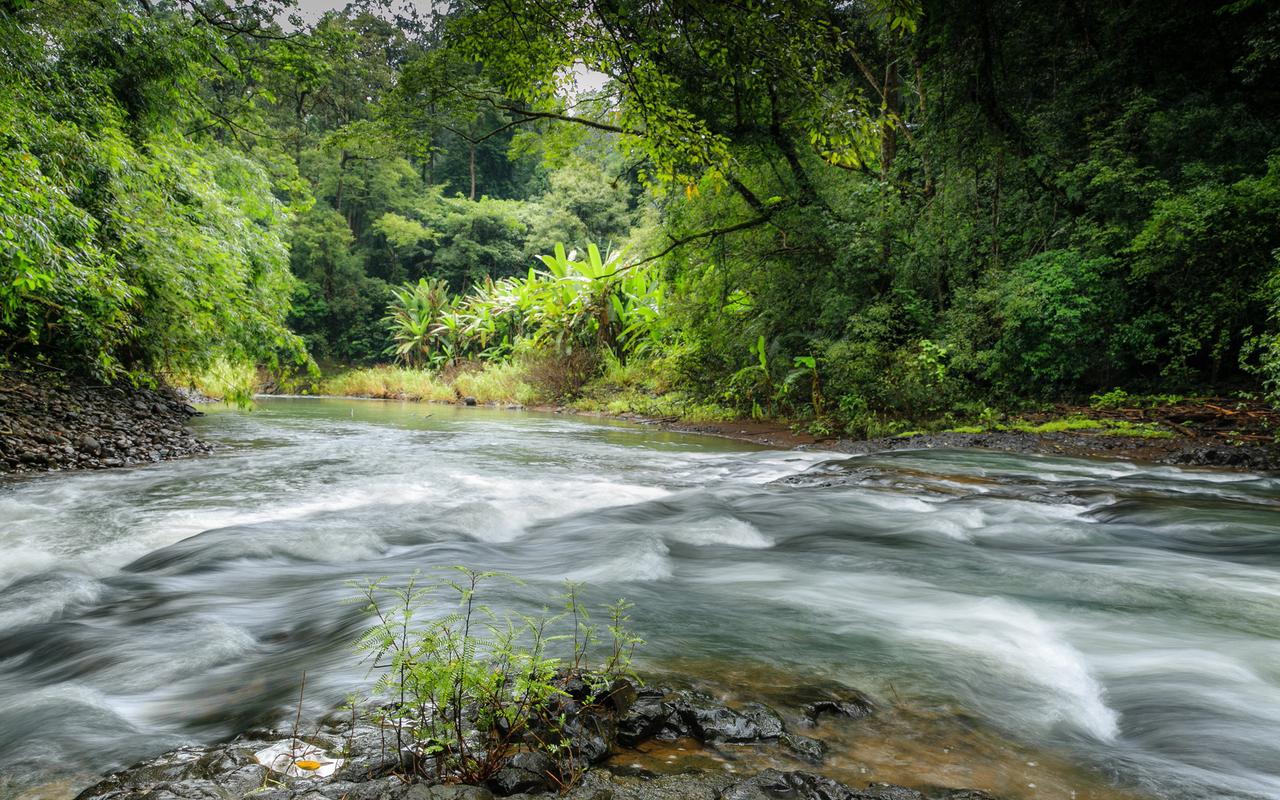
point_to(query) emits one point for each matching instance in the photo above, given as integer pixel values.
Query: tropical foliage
(125, 245)
(851, 212)
(596, 303)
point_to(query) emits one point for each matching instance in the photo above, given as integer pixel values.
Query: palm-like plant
(572, 303)
(414, 316)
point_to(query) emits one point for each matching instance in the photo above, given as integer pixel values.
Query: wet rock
(829, 699)
(804, 747)
(370, 752)
(384, 789)
(646, 718)
(187, 772)
(854, 709)
(524, 772)
(775, 785)
(468, 401)
(708, 720)
(606, 785)
(447, 792)
(590, 736)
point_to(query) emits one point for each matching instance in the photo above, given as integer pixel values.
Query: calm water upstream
(1017, 616)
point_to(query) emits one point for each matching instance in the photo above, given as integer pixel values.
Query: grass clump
(496, 382)
(390, 383)
(1055, 425)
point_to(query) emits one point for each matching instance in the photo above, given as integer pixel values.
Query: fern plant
(470, 688)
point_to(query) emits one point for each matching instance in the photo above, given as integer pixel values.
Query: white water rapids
(1126, 617)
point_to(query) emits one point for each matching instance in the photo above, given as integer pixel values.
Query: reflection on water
(1106, 622)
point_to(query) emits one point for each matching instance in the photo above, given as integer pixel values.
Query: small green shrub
(468, 688)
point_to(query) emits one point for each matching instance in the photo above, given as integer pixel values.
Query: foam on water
(732, 532)
(1125, 616)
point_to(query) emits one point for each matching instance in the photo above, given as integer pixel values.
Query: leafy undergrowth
(1074, 424)
(642, 388)
(1236, 421)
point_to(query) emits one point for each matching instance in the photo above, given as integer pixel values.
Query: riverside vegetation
(471, 703)
(867, 219)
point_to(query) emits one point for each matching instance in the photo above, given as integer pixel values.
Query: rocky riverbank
(1180, 450)
(350, 757)
(51, 424)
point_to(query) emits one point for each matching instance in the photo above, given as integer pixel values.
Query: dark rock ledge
(47, 425)
(361, 762)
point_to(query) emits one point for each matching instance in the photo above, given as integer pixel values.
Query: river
(1037, 626)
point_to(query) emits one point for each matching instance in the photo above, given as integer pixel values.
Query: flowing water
(1043, 627)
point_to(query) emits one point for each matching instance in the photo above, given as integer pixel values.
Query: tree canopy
(938, 207)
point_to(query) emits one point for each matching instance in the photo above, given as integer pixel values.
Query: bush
(469, 688)
(561, 375)
(1053, 315)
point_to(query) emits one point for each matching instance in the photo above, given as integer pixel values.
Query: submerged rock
(774, 785)
(804, 747)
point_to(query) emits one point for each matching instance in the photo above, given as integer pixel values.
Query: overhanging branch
(693, 237)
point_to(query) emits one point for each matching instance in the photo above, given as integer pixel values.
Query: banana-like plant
(413, 317)
(596, 301)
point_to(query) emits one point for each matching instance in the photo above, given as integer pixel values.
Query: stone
(446, 791)
(648, 715)
(710, 721)
(774, 785)
(830, 699)
(524, 772)
(804, 747)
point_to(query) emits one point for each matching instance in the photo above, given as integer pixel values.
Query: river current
(1119, 621)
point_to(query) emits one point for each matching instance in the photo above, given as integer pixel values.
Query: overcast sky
(588, 80)
(312, 9)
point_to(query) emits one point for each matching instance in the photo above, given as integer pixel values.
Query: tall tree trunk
(891, 119)
(473, 171)
(342, 174)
